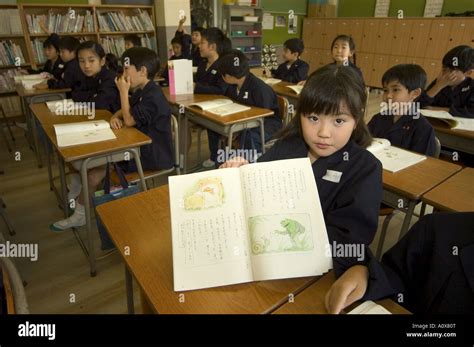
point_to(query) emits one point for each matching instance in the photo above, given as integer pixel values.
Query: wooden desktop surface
(33, 92)
(311, 300)
(444, 128)
(281, 89)
(455, 194)
(142, 223)
(126, 137)
(187, 99)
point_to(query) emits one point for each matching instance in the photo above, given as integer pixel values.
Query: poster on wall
(267, 21)
(381, 8)
(280, 21)
(292, 24)
(433, 8)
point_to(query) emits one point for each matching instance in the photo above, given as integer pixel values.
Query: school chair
(389, 212)
(16, 296)
(5, 217)
(151, 175)
(5, 138)
(366, 110)
(283, 106)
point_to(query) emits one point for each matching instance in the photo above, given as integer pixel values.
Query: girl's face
(326, 134)
(196, 38)
(90, 62)
(206, 49)
(177, 49)
(50, 52)
(67, 55)
(341, 51)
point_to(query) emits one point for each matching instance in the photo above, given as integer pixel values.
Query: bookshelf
(243, 25)
(22, 36)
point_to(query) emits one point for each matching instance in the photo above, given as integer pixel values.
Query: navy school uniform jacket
(152, 113)
(297, 72)
(351, 206)
(100, 89)
(459, 100)
(55, 69)
(209, 81)
(72, 76)
(190, 51)
(255, 92)
(414, 134)
(432, 266)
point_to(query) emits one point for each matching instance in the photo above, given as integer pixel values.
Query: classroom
(142, 148)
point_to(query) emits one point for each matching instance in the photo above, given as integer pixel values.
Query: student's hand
(348, 288)
(122, 83)
(301, 83)
(234, 163)
(41, 85)
(46, 75)
(116, 123)
(182, 20)
(446, 78)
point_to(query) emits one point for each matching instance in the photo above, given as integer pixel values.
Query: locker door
(326, 57)
(365, 62)
(344, 26)
(308, 32)
(369, 36)
(318, 33)
(468, 37)
(401, 37)
(396, 60)
(419, 34)
(417, 61)
(356, 30)
(385, 36)
(432, 68)
(330, 33)
(380, 65)
(456, 34)
(316, 58)
(438, 38)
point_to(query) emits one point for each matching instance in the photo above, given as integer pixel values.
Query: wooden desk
(461, 140)
(281, 89)
(142, 223)
(226, 125)
(455, 194)
(88, 156)
(8, 292)
(311, 300)
(32, 96)
(410, 184)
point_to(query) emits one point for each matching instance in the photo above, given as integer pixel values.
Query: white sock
(74, 187)
(77, 219)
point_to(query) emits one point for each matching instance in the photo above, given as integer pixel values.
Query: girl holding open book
(329, 129)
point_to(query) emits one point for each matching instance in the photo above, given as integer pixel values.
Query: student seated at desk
(131, 41)
(112, 63)
(453, 91)
(177, 44)
(430, 270)
(147, 110)
(213, 44)
(293, 70)
(400, 121)
(99, 84)
(245, 88)
(190, 43)
(54, 65)
(329, 129)
(72, 76)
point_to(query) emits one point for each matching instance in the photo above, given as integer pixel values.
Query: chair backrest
(366, 111)
(438, 148)
(283, 106)
(175, 132)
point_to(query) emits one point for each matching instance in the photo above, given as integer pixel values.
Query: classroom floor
(59, 281)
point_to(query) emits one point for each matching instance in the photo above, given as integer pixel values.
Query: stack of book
(10, 22)
(10, 53)
(118, 21)
(69, 22)
(37, 48)
(7, 80)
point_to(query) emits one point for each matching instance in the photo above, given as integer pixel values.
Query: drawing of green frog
(292, 228)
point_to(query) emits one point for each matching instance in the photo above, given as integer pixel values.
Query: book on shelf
(456, 123)
(70, 22)
(116, 45)
(113, 21)
(38, 52)
(258, 222)
(8, 79)
(221, 107)
(72, 134)
(369, 307)
(11, 53)
(10, 23)
(393, 159)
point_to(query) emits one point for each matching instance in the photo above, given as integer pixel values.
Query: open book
(269, 81)
(258, 222)
(393, 159)
(297, 89)
(221, 107)
(18, 79)
(72, 134)
(457, 123)
(369, 307)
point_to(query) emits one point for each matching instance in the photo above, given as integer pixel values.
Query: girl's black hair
(233, 63)
(324, 92)
(217, 37)
(52, 41)
(411, 76)
(142, 56)
(459, 58)
(134, 39)
(177, 40)
(111, 62)
(350, 41)
(70, 43)
(198, 29)
(94, 46)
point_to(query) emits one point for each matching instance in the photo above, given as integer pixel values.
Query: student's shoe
(78, 219)
(74, 188)
(208, 163)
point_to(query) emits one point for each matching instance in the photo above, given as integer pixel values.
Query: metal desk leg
(36, 144)
(185, 145)
(262, 134)
(62, 177)
(129, 289)
(48, 150)
(138, 162)
(87, 206)
(407, 220)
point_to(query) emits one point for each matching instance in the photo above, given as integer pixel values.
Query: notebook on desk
(455, 123)
(221, 107)
(393, 159)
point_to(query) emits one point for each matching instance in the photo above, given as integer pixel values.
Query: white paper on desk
(221, 107)
(79, 133)
(464, 123)
(269, 81)
(28, 77)
(180, 73)
(28, 84)
(393, 159)
(369, 307)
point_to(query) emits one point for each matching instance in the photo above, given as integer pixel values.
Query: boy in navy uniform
(54, 65)
(246, 89)
(190, 42)
(147, 108)
(293, 70)
(453, 90)
(430, 269)
(400, 121)
(213, 44)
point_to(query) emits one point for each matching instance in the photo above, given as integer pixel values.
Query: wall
(281, 7)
